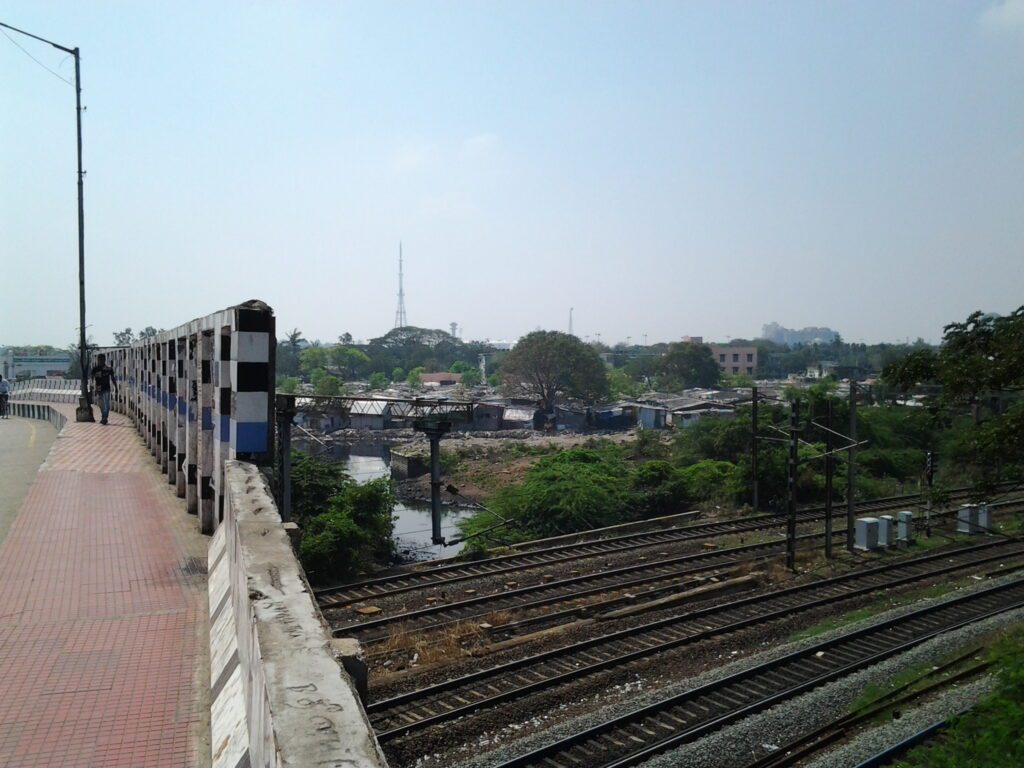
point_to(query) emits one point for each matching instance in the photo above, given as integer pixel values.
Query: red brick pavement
(100, 632)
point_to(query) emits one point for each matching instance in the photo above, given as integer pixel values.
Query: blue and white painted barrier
(200, 395)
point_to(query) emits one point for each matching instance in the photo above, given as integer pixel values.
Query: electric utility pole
(929, 474)
(84, 411)
(851, 468)
(829, 471)
(753, 446)
(794, 441)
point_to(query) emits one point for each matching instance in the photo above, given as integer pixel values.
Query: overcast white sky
(665, 168)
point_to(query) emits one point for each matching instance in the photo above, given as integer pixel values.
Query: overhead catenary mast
(400, 321)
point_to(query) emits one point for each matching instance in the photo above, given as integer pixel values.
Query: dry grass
(498, 618)
(424, 648)
(448, 643)
(399, 639)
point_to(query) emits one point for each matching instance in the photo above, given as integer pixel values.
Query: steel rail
(637, 736)
(896, 751)
(450, 573)
(512, 599)
(602, 582)
(526, 598)
(804, 746)
(482, 689)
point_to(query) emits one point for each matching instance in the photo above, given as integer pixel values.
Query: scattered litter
(368, 610)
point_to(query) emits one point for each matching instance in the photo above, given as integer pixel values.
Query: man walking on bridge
(103, 376)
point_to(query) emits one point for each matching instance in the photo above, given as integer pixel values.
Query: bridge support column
(180, 407)
(205, 469)
(193, 417)
(162, 445)
(222, 411)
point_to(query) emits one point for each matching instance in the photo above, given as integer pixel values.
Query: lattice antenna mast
(400, 321)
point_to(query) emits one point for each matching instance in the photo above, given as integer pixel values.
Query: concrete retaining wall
(279, 697)
(39, 411)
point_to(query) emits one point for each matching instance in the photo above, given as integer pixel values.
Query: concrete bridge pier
(180, 405)
(192, 418)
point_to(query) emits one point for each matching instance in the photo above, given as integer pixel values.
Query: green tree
(350, 361)
(124, 338)
(688, 365)
(148, 332)
(574, 490)
(313, 359)
(978, 370)
(470, 377)
(621, 385)
(288, 353)
(660, 488)
(398, 374)
(414, 379)
(324, 384)
(378, 381)
(289, 385)
(737, 380)
(346, 527)
(708, 480)
(546, 365)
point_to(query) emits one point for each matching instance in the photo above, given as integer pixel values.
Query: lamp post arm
(58, 46)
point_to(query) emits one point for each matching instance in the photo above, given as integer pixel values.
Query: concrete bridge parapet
(46, 390)
(279, 696)
(200, 395)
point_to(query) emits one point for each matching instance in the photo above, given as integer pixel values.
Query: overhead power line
(37, 61)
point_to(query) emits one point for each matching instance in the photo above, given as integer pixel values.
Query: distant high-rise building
(791, 337)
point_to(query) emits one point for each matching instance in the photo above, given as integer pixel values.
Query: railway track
(657, 576)
(894, 755)
(639, 735)
(938, 678)
(403, 714)
(643, 580)
(452, 573)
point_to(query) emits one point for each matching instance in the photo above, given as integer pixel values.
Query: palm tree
(294, 337)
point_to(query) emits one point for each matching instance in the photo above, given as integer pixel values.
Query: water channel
(368, 461)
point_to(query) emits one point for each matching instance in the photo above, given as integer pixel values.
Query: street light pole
(84, 411)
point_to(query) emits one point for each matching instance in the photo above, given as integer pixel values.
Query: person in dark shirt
(102, 377)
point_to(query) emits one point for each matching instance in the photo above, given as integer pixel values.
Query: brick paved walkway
(103, 652)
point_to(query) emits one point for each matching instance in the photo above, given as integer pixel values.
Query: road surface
(24, 444)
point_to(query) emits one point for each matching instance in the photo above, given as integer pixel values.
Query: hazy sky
(665, 168)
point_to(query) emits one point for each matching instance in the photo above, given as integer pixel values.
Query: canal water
(368, 461)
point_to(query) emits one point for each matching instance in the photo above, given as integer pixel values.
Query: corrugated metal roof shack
(370, 414)
(517, 417)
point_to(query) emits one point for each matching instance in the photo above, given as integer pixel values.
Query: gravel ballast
(735, 744)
